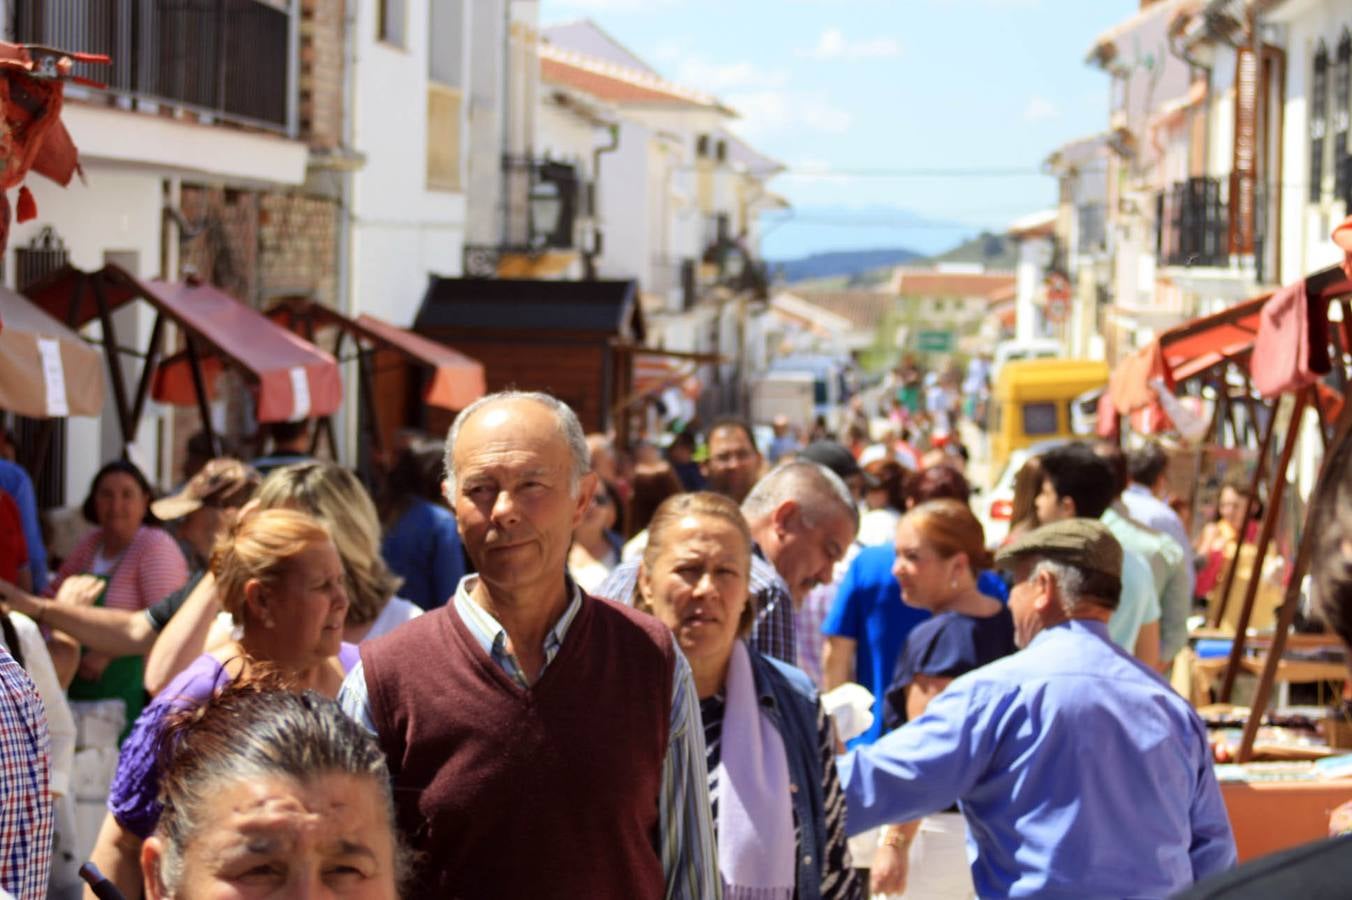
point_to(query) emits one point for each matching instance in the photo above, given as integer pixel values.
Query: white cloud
(719, 77)
(1040, 109)
(669, 51)
(832, 44)
(767, 112)
(591, 6)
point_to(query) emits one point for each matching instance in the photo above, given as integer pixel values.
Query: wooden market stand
(1212, 349)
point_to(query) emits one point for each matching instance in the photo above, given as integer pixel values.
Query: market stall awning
(654, 374)
(293, 378)
(1183, 352)
(46, 370)
(457, 380)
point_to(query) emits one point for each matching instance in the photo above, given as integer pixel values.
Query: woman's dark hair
(1027, 485)
(938, 483)
(652, 485)
(255, 728)
(417, 474)
(892, 478)
(126, 468)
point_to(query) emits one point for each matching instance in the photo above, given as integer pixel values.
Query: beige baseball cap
(221, 482)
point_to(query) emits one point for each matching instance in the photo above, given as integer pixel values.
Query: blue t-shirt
(868, 609)
(424, 548)
(946, 646)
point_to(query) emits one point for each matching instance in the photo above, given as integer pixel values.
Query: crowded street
(522, 449)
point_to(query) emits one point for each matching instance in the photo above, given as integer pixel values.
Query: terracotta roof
(926, 283)
(617, 84)
(1003, 294)
(863, 309)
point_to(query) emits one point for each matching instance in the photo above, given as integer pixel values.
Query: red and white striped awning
(654, 373)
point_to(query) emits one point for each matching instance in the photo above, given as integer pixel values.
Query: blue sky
(843, 91)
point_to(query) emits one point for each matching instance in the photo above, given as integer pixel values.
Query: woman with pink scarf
(777, 808)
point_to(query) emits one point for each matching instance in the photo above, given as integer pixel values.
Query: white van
(1037, 348)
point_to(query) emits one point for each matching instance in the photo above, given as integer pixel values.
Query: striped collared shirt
(687, 847)
(25, 785)
(774, 633)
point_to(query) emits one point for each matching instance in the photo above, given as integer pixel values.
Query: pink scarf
(756, 846)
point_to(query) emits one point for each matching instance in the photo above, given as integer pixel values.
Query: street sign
(934, 341)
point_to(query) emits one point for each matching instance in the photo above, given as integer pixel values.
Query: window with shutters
(445, 96)
(1244, 164)
(1342, 111)
(444, 106)
(1319, 102)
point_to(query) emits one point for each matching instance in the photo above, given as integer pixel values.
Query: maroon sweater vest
(514, 793)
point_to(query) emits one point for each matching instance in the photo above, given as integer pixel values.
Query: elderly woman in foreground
(270, 793)
(278, 573)
(777, 805)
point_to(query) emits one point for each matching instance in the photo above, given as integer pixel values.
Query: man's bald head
(570, 429)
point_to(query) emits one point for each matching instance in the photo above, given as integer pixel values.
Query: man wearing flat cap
(1081, 774)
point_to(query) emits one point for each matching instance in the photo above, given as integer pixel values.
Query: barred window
(1319, 102)
(1342, 112)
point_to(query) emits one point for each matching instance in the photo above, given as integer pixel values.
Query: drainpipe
(1179, 46)
(589, 256)
(344, 276)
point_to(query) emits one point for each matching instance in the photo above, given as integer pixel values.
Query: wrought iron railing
(1193, 225)
(1197, 226)
(540, 209)
(228, 59)
(1344, 182)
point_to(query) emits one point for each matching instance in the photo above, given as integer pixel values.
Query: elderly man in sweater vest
(542, 743)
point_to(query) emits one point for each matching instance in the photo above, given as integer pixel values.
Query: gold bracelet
(896, 839)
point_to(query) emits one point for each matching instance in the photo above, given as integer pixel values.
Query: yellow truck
(1032, 402)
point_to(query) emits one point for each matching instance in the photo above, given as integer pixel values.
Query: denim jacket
(790, 701)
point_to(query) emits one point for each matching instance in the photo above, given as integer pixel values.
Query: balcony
(226, 60)
(541, 209)
(1197, 226)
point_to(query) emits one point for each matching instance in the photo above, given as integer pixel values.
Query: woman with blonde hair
(280, 577)
(335, 497)
(778, 812)
(941, 551)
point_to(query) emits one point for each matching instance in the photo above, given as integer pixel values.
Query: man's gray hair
(815, 488)
(1070, 582)
(1077, 585)
(569, 428)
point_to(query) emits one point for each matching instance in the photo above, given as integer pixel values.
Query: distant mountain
(803, 231)
(846, 265)
(996, 252)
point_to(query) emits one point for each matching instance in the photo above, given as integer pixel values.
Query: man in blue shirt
(1080, 773)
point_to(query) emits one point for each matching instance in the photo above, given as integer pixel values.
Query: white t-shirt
(60, 723)
(396, 613)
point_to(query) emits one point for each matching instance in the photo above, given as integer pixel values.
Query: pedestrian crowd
(534, 665)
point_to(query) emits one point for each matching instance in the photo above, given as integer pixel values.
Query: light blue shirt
(1173, 586)
(1081, 774)
(1138, 604)
(688, 850)
(1150, 510)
